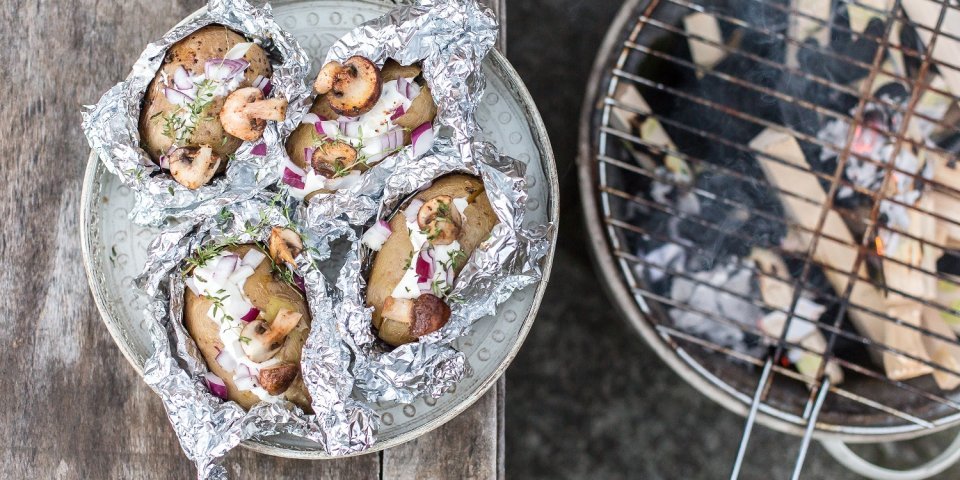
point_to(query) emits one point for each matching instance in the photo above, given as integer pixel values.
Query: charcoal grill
(813, 120)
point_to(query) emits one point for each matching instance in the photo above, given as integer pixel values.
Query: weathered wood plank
(465, 447)
(75, 408)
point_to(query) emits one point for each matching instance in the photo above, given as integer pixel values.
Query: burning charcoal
(909, 39)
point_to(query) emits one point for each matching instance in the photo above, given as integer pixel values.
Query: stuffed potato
(361, 115)
(249, 324)
(207, 98)
(419, 254)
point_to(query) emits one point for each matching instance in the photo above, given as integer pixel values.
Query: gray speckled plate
(114, 248)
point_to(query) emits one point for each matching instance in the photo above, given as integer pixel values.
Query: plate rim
(541, 140)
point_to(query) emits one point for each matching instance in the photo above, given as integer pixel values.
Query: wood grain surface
(76, 409)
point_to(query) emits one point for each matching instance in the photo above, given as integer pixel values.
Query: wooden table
(76, 408)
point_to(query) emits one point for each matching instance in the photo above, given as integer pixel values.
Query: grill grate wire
(609, 163)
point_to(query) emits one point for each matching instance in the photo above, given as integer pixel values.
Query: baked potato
(256, 355)
(382, 118)
(408, 285)
(205, 100)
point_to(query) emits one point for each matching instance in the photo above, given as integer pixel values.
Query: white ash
(702, 294)
(668, 256)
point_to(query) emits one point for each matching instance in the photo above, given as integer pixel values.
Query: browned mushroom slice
(440, 219)
(333, 157)
(193, 167)
(430, 314)
(245, 113)
(262, 341)
(277, 379)
(352, 88)
(285, 245)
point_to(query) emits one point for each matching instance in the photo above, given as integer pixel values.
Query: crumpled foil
(450, 39)
(112, 125)
(509, 260)
(207, 426)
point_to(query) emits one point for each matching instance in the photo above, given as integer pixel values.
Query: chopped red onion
(238, 51)
(164, 162)
(300, 283)
(310, 118)
(397, 113)
(375, 237)
(408, 88)
(267, 88)
(216, 385)
(307, 157)
(181, 79)
(385, 142)
(259, 149)
(176, 97)
(226, 361)
(412, 209)
(251, 315)
(224, 69)
(424, 265)
(292, 179)
(329, 128)
(422, 139)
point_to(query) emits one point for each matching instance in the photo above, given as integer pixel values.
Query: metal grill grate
(792, 129)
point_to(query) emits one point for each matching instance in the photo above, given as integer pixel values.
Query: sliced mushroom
(245, 113)
(285, 245)
(352, 88)
(332, 157)
(440, 219)
(398, 310)
(430, 313)
(426, 314)
(262, 341)
(277, 379)
(193, 167)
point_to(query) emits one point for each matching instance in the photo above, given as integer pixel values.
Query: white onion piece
(247, 382)
(422, 139)
(226, 361)
(375, 237)
(251, 315)
(238, 51)
(349, 128)
(253, 257)
(330, 128)
(224, 267)
(412, 209)
(191, 283)
(293, 179)
(165, 162)
(461, 204)
(310, 118)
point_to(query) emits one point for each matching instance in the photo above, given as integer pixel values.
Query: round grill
(772, 194)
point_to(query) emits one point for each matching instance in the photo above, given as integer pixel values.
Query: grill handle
(842, 453)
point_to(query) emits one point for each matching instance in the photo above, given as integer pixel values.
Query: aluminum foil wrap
(111, 126)
(207, 426)
(450, 39)
(509, 260)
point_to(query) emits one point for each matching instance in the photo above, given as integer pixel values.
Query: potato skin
(192, 52)
(268, 294)
(390, 262)
(423, 109)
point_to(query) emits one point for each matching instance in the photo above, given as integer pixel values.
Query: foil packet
(112, 125)
(509, 260)
(450, 39)
(207, 426)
